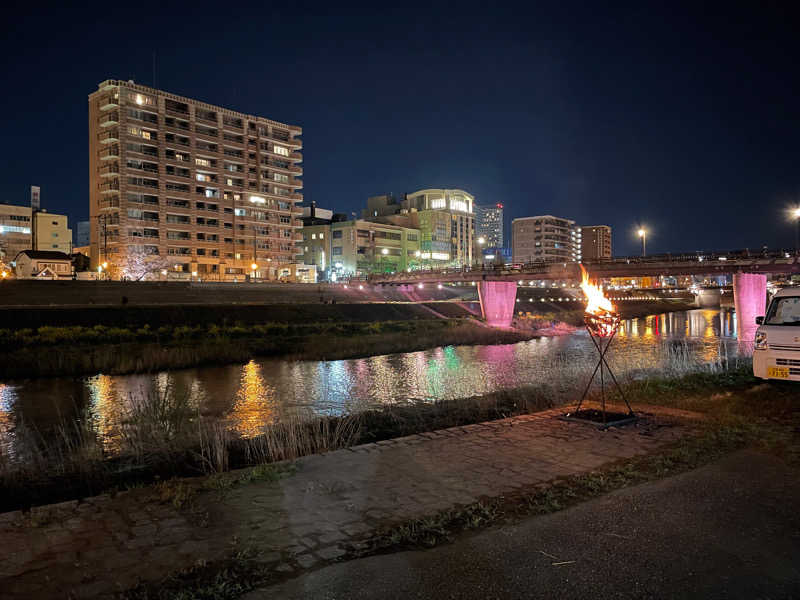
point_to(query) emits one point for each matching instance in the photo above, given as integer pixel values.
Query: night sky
(685, 119)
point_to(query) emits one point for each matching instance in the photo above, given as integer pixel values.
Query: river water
(248, 396)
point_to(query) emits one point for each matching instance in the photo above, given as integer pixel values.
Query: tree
(139, 263)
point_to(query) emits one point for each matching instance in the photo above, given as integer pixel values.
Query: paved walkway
(728, 530)
(105, 544)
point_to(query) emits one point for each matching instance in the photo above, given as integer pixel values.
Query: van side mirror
(759, 320)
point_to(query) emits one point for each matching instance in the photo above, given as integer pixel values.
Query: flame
(596, 303)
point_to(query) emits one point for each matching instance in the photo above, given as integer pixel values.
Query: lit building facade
(545, 239)
(360, 247)
(208, 191)
(595, 242)
(489, 224)
(446, 223)
(82, 233)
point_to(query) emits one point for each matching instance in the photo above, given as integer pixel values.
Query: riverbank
(164, 436)
(77, 350)
(220, 536)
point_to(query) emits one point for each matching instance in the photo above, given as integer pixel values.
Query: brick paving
(101, 545)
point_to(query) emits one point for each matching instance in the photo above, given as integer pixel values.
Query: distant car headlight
(761, 341)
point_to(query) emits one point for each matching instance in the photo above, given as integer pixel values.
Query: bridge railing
(529, 268)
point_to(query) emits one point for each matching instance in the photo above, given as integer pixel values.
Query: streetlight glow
(385, 251)
(643, 235)
(254, 266)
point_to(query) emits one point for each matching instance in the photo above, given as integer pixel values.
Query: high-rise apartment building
(595, 242)
(489, 224)
(201, 189)
(545, 239)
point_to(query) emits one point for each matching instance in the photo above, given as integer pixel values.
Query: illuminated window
(313, 236)
(321, 236)
(280, 150)
(438, 203)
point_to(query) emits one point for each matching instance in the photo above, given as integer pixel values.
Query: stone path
(106, 544)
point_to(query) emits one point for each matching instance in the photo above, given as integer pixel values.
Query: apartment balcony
(298, 237)
(298, 197)
(296, 184)
(109, 119)
(109, 102)
(107, 137)
(109, 187)
(298, 156)
(109, 170)
(294, 143)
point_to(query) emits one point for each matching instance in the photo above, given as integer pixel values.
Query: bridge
(497, 284)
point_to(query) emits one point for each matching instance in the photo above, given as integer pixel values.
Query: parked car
(776, 354)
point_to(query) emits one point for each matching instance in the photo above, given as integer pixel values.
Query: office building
(545, 239)
(15, 231)
(446, 223)
(489, 224)
(51, 233)
(82, 233)
(359, 247)
(209, 191)
(595, 242)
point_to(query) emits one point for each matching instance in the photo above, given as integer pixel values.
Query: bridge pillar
(750, 300)
(497, 301)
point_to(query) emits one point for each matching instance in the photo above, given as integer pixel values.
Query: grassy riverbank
(50, 351)
(163, 436)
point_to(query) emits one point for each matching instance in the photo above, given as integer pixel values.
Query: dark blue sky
(682, 117)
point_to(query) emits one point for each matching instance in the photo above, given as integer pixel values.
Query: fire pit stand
(602, 327)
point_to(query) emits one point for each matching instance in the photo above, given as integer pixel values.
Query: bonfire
(602, 322)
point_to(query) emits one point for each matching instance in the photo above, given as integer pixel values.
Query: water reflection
(247, 397)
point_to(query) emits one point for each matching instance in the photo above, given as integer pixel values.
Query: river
(247, 396)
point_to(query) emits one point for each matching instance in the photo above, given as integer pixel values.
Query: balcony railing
(109, 153)
(109, 170)
(109, 186)
(109, 136)
(109, 119)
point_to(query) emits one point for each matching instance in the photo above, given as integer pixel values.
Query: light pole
(643, 234)
(481, 242)
(796, 216)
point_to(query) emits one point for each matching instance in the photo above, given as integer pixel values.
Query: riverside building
(545, 239)
(489, 224)
(359, 247)
(202, 190)
(595, 242)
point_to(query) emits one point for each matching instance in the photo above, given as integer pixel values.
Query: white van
(776, 354)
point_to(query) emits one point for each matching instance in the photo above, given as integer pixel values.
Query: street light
(796, 217)
(643, 234)
(253, 268)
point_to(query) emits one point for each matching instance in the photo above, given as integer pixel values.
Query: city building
(82, 233)
(15, 231)
(199, 189)
(545, 239)
(21, 229)
(50, 232)
(446, 224)
(496, 256)
(489, 224)
(359, 247)
(313, 215)
(42, 264)
(595, 242)
(381, 206)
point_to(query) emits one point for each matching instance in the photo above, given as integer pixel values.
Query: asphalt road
(728, 530)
